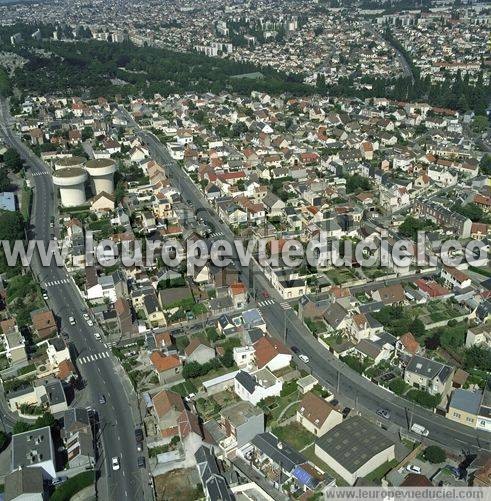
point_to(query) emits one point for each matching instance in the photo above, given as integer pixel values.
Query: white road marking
(93, 358)
(285, 306)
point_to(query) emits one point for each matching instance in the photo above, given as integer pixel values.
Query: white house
(256, 386)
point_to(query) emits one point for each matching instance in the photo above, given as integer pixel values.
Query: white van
(420, 430)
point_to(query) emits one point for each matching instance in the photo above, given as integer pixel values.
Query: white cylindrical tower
(101, 171)
(71, 181)
(63, 163)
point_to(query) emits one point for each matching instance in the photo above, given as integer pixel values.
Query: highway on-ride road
(348, 385)
(100, 370)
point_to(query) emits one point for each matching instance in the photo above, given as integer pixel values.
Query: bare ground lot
(178, 485)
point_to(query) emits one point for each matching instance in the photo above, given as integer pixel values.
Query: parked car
(385, 413)
(413, 468)
(140, 462)
(295, 350)
(139, 435)
(86, 316)
(102, 399)
(97, 336)
(265, 294)
(71, 320)
(59, 480)
(304, 358)
(90, 323)
(115, 463)
(44, 294)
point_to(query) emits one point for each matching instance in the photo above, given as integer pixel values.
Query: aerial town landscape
(244, 249)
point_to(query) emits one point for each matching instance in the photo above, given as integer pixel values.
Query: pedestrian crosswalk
(216, 234)
(55, 283)
(93, 358)
(267, 302)
(40, 173)
(286, 306)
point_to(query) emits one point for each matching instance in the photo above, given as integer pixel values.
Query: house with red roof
(271, 353)
(167, 367)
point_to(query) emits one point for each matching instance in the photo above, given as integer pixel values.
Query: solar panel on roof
(302, 476)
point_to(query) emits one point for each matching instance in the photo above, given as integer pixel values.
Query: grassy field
(295, 435)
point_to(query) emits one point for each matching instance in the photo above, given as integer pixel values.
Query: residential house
(457, 279)
(282, 462)
(43, 323)
(429, 375)
(77, 438)
(199, 351)
(317, 415)
(25, 484)
(240, 423)
(271, 353)
(214, 484)
(167, 367)
(464, 407)
(479, 335)
(167, 407)
(257, 385)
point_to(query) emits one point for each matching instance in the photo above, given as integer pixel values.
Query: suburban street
(99, 369)
(281, 319)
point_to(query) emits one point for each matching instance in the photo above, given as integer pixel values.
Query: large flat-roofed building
(354, 448)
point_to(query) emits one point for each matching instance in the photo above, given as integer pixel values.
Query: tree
(11, 226)
(192, 370)
(3, 439)
(20, 427)
(435, 454)
(46, 419)
(4, 180)
(478, 357)
(398, 386)
(228, 358)
(12, 160)
(480, 124)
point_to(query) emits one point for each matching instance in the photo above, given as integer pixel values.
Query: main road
(100, 370)
(282, 320)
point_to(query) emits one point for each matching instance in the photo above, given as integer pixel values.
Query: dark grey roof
(335, 314)
(354, 442)
(23, 481)
(246, 380)
(55, 392)
(279, 452)
(467, 401)
(424, 367)
(75, 417)
(371, 307)
(32, 447)
(211, 478)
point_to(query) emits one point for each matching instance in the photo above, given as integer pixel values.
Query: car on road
(419, 429)
(97, 336)
(102, 399)
(115, 463)
(71, 320)
(59, 480)
(304, 358)
(385, 413)
(413, 468)
(265, 294)
(345, 412)
(140, 462)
